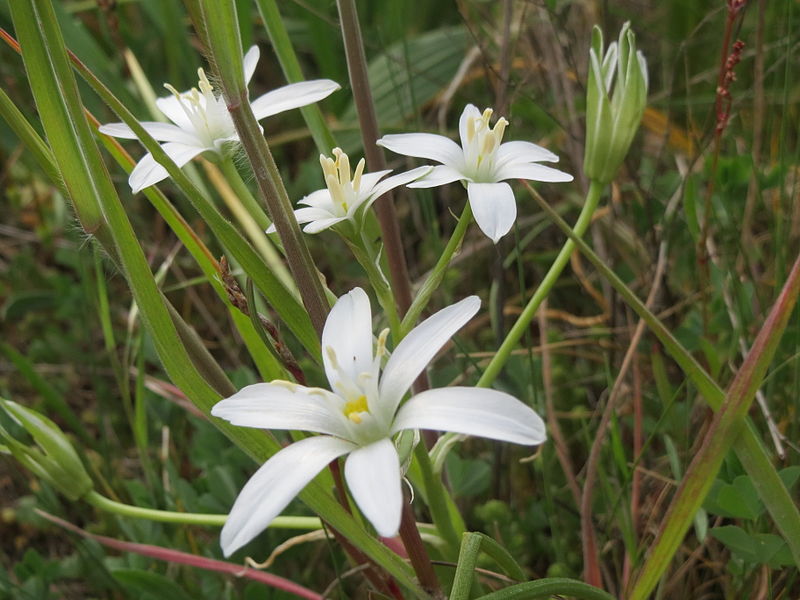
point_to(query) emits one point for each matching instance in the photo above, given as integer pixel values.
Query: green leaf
(467, 477)
(737, 500)
(149, 584)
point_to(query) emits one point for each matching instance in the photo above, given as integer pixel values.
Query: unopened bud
(616, 95)
(53, 458)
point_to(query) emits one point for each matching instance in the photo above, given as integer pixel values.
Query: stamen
(344, 168)
(203, 82)
(380, 350)
(357, 176)
(499, 129)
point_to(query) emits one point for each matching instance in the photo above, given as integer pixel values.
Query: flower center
(481, 144)
(344, 191)
(359, 392)
(354, 409)
(206, 112)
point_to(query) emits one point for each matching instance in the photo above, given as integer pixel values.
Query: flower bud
(613, 108)
(53, 459)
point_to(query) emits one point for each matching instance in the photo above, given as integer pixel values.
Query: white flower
(481, 162)
(202, 122)
(360, 416)
(344, 196)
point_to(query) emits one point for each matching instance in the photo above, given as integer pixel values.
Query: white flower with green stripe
(201, 121)
(360, 416)
(482, 163)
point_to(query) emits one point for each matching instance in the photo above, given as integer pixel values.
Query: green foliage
(76, 347)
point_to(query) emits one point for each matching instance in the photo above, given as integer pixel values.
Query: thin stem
(437, 273)
(523, 321)
(417, 553)
(209, 520)
(367, 256)
(274, 195)
(437, 501)
(365, 108)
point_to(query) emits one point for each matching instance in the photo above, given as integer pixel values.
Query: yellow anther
(357, 176)
(344, 168)
(203, 82)
(381, 349)
(354, 409)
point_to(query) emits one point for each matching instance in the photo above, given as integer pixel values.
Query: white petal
(274, 485)
(276, 406)
(396, 181)
(439, 175)
(348, 333)
(370, 180)
(118, 130)
(419, 347)
(493, 207)
(148, 172)
(312, 213)
(163, 132)
(373, 476)
(291, 96)
(472, 411)
(514, 152)
(250, 61)
(425, 145)
(322, 224)
(172, 109)
(320, 199)
(531, 171)
(470, 112)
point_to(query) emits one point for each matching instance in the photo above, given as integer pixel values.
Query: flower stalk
(523, 321)
(220, 19)
(365, 108)
(209, 520)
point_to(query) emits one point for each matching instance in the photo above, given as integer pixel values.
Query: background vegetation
(706, 216)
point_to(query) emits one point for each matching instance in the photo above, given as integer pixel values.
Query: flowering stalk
(365, 108)
(209, 520)
(523, 321)
(221, 25)
(437, 273)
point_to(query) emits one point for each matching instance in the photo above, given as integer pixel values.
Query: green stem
(224, 48)
(437, 273)
(437, 502)
(365, 109)
(166, 516)
(368, 257)
(523, 321)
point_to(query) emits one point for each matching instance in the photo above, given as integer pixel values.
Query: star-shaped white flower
(202, 122)
(344, 197)
(482, 162)
(360, 417)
